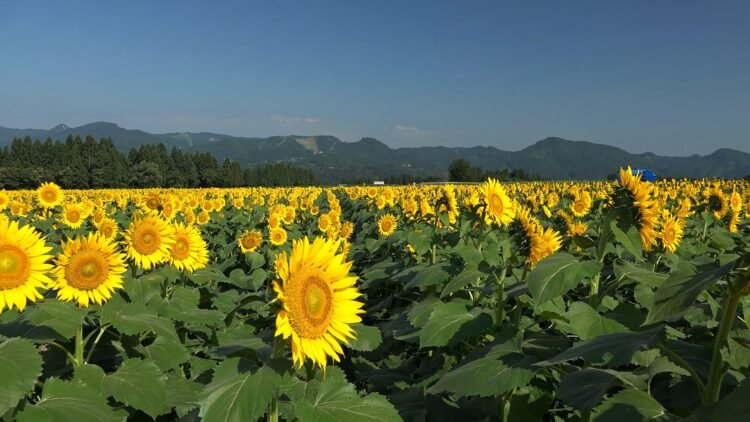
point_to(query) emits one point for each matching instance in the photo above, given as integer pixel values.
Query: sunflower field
(539, 301)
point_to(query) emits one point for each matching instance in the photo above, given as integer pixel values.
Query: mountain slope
(334, 160)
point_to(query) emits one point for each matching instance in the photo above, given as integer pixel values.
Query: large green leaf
(20, 366)
(444, 323)
(144, 288)
(136, 318)
(554, 276)
(182, 394)
(728, 408)
(488, 376)
(368, 338)
(463, 279)
(140, 384)
(166, 353)
(337, 400)
(63, 317)
(584, 389)
(680, 289)
(630, 405)
(630, 240)
(241, 397)
(70, 402)
(609, 350)
(585, 322)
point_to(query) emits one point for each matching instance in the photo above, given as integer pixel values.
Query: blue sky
(671, 77)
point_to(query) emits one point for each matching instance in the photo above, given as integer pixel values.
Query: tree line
(461, 170)
(87, 163)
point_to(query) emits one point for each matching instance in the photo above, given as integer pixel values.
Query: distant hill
(335, 160)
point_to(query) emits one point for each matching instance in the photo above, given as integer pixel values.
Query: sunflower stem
(273, 407)
(716, 373)
(102, 330)
(79, 346)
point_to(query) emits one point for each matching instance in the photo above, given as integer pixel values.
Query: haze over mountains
(335, 160)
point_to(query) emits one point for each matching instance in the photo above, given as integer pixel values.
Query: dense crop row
(529, 301)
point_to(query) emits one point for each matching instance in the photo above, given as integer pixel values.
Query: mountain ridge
(335, 160)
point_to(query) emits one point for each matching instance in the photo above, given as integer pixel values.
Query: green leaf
(488, 376)
(143, 288)
(368, 338)
(432, 275)
(139, 384)
(466, 277)
(587, 323)
(444, 323)
(136, 318)
(680, 289)
(584, 389)
(337, 400)
(64, 401)
(63, 317)
(728, 408)
(182, 394)
(640, 274)
(554, 276)
(242, 397)
(630, 240)
(20, 366)
(630, 405)
(166, 353)
(609, 350)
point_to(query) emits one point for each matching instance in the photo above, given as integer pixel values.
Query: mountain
(335, 160)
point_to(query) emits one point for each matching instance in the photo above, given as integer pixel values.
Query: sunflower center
(49, 195)
(496, 204)
(14, 267)
(87, 270)
(147, 241)
(74, 216)
(311, 300)
(669, 235)
(181, 248)
(247, 241)
(152, 203)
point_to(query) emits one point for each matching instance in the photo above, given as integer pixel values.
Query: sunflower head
(148, 240)
(278, 236)
(387, 225)
(108, 228)
(633, 198)
(318, 300)
(88, 270)
(671, 231)
(73, 215)
(498, 205)
(189, 251)
(250, 241)
(49, 195)
(23, 265)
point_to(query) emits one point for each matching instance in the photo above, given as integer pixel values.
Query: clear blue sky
(663, 76)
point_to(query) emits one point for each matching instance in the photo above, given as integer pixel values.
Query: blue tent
(646, 175)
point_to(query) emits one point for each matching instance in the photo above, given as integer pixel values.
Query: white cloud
(407, 129)
(294, 119)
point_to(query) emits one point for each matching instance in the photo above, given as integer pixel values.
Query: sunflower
(49, 195)
(499, 206)
(88, 270)
(189, 251)
(274, 221)
(23, 265)
(108, 228)
(203, 217)
(735, 203)
(346, 230)
(250, 240)
(73, 215)
(671, 231)
(387, 225)
(637, 197)
(717, 203)
(148, 240)
(577, 229)
(581, 204)
(278, 236)
(536, 242)
(318, 300)
(732, 224)
(324, 222)
(4, 199)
